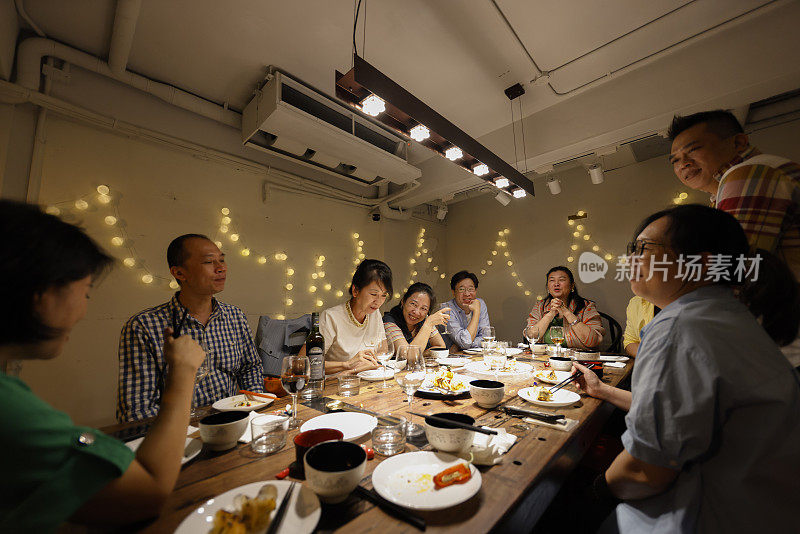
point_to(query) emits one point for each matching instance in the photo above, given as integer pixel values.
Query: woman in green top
(578, 317)
(53, 470)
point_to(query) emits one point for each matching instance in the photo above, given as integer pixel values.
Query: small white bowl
(446, 439)
(333, 469)
(560, 363)
(487, 393)
(440, 353)
(221, 431)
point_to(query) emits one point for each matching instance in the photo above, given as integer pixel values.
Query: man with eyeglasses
(711, 153)
(468, 313)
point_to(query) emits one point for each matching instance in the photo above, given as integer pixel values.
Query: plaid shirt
(588, 316)
(763, 193)
(232, 355)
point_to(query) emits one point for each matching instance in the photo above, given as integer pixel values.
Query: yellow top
(639, 313)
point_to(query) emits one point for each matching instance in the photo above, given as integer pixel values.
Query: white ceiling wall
(459, 55)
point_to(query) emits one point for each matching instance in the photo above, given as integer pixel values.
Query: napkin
(489, 450)
(618, 365)
(247, 437)
(568, 425)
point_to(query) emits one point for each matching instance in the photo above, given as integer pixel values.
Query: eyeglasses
(636, 248)
(462, 290)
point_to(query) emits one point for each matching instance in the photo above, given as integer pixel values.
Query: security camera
(376, 217)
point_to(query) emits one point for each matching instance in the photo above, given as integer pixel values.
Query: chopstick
(390, 508)
(253, 393)
(276, 522)
(570, 378)
(177, 331)
(456, 424)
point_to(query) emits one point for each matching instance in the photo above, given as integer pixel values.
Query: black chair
(613, 332)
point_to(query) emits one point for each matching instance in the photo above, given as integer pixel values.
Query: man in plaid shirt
(711, 152)
(199, 267)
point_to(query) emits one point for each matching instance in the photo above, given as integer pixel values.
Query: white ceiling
(455, 55)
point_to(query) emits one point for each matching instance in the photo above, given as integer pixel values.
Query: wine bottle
(315, 347)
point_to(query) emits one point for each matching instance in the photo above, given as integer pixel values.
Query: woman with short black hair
(564, 307)
(411, 322)
(54, 470)
(349, 328)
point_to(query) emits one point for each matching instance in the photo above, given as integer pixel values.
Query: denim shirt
(458, 325)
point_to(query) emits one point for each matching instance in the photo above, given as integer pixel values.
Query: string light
(110, 220)
(225, 211)
(129, 262)
(234, 237)
(117, 241)
(225, 220)
(262, 260)
(81, 204)
(339, 293)
(174, 285)
(52, 210)
(223, 229)
(147, 279)
(103, 189)
(289, 271)
(245, 252)
(104, 199)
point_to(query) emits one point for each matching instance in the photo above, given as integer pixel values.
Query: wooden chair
(613, 334)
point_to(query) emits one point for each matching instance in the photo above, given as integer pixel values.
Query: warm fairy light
(339, 293)
(595, 248)
(110, 220)
(225, 211)
(453, 153)
(327, 287)
(574, 247)
(570, 259)
(314, 276)
(373, 105)
(103, 199)
(289, 271)
(500, 233)
(218, 243)
(147, 279)
(312, 289)
(441, 275)
(360, 243)
(355, 236)
(430, 260)
(506, 254)
(424, 250)
(223, 229)
(506, 231)
(503, 243)
(519, 284)
(262, 260)
(527, 293)
(289, 287)
(129, 262)
(483, 271)
(579, 227)
(576, 234)
(289, 302)
(320, 303)
(397, 295)
(494, 253)
(321, 258)
(52, 210)
(586, 237)
(418, 253)
(509, 263)
(581, 213)
(608, 256)
(361, 257)
(683, 196)
(359, 249)
(117, 241)
(488, 262)
(539, 297)
(81, 204)
(571, 222)
(225, 220)
(419, 133)
(280, 256)
(435, 267)
(103, 189)
(234, 237)
(245, 252)
(174, 285)
(412, 260)
(413, 273)
(421, 241)
(280, 317)
(514, 274)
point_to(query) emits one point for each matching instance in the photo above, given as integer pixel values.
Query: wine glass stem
(410, 417)
(294, 408)
(383, 365)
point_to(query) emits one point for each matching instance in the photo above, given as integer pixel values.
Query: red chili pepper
(370, 452)
(283, 474)
(458, 474)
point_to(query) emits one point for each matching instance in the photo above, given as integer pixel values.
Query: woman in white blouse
(349, 327)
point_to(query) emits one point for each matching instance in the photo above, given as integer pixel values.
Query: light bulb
(223, 229)
(424, 250)
(412, 260)
(435, 267)
(480, 169)
(234, 237)
(683, 196)
(103, 199)
(538, 297)
(574, 247)
(586, 237)
(519, 284)
(483, 271)
(289, 287)
(418, 253)
(339, 293)
(413, 273)
(312, 289)
(373, 105)
(103, 189)
(506, 254)
(570, 222)
(314, 276)
(494, 253)
(128, 262)
(503, 243)
(225, 220)
(676, 200)
(147, 279)
(321, 258)
(441, 275)
(360, 243)
(218, 243)
(289, 302)
(322, 274)
(355, 236)
(501, 182)
(278, 256)
(430, 260)
(319, 303)
(81, 204)
(110, 220)
(262, 260)
(509, 263)
(488, 262)
(570, 259)
(245, 252)
(527, 293)
(421, 241)
(609, 256)
(327, 287)
(397, 295)
(581, 213)
(579, 227)
(453, 153)
(419, 133)
(359, 249)
(117, 241)
(289, 271)
(576, 234)
(519, 193)
(361, 256)
(497, 243)
(52, 210)
(514, 275)
(506, 231)
(280, 317)
(225, 211)
(174, 285)
(595, 248)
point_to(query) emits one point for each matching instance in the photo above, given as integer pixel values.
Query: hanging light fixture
(554, 184)
(373, 105)
(596, 174)
(480, 169)
(419, 133)
(501, 182)
(453, 153)
(519, 193)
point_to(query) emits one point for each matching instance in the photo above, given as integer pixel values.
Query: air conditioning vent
(292, 121)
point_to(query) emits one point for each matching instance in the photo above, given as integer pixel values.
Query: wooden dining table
(513, 495)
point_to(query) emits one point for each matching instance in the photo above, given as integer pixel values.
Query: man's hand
(182, 352)
(475, 306)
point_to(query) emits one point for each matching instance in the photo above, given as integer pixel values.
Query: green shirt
(557, 321)
(49, 466)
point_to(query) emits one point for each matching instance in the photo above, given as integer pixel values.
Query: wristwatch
(573, 323)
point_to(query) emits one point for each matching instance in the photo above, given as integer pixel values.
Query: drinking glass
(349, 386)
(383, 350)
(532, 340)
(268, 433)
(202, 372)
(495, 359)
(487, 333)
(295, 373)
(444, 326)
(389, 436)
(410, 376)
(557, 336)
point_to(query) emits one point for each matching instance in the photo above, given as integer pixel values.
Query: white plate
(513, 351)
(473, 351)
(192, 448)
(453, 362)
(376, 375)
(613, 358)
(480, 368)
(561, 398)
(541, 376)
(301, 517)
(353, 425)
(228, 404)
(407, 480)
(427, 385)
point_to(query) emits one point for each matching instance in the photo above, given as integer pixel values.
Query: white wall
(163, 193)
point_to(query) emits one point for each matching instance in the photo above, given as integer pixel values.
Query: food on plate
(246, 403)
(444, 379)
(552, 375)
(251, 514)
(457, 474)
(543, 394)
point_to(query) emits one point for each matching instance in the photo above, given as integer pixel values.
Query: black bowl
(224, 418)
(458, 417)
(335, 456)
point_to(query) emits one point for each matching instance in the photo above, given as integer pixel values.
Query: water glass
(444, 329)
(295, 373)
(269, 434)
(389, 436)
(349, 386)
(488, 333)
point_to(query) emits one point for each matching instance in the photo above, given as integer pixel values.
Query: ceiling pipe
(20, 5)
(29, 59)
(122, 35)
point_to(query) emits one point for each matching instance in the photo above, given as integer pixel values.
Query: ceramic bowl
(446, 438)
(440, 353)
(487, 393)
(221, 431)
(334, 468)
(560, 363)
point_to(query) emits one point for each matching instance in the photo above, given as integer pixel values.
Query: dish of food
(445, 382)
(249, 509)
(542, 396)
(408, 480)
(377, 375)
(241, 403)
(512, 351)
(511, 367)
(453, 362)
(550, 376)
